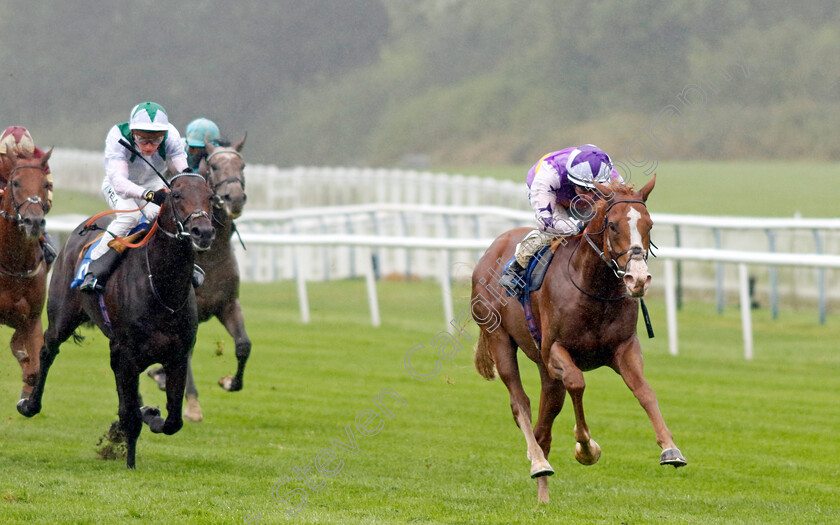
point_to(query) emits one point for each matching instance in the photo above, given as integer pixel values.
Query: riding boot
(50, 253)
(198, 276)
(512, 278)
(99, 271)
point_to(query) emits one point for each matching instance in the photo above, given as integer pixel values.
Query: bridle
(182, 232)
(607, 255)
(17, 218)
(230, 180)
(218, 202)
(612, 260)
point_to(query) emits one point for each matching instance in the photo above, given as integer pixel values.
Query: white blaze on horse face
(635, 236)
(637, 279)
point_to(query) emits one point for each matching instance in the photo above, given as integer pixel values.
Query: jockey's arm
(177, 158)
(117, 172)
(551, 216)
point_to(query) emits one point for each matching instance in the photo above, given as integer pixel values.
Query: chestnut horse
(147, 309)
(23, 271)
(586, 313)
(219, 295)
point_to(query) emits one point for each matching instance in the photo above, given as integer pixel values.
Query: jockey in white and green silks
(130, 183)
(556, 184)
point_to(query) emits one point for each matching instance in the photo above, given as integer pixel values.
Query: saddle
(534, 276)
(119, 244)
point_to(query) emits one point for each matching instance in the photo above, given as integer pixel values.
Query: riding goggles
(144, 141)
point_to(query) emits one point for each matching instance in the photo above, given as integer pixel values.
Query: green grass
(760, 436)
(760, 189)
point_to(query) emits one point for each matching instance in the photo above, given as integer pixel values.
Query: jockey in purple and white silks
(130, 183)
(560, 190)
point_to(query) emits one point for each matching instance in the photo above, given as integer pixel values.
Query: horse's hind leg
(628, 363)
(503, 350)
(561, 366)
(192, 411)
(231, 317)
(552, 396)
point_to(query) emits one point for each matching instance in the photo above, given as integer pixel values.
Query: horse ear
(645, 191)
(46, 157)
(238, 145)
(605, 191)
(209, 146)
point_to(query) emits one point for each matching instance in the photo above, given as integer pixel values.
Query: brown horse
(147, 310)
(23, 271)
(219, 295)
(586, 312)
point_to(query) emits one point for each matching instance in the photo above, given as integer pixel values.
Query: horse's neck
(169, 256)
(223, 224)
(594, 271)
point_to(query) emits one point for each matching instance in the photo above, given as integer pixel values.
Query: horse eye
(613, 228)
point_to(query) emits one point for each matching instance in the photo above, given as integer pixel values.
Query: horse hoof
(590, 456)
(159, 377)
(26, 408)
(672, 456)
(192, 412)
(541, 469)
(149, 413)
(227, 383)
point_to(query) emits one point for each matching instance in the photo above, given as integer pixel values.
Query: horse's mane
(619, 193)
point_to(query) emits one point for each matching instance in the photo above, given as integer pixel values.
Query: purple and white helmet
(587, 164)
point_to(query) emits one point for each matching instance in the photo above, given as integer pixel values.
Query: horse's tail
(77, 337)
(483, 360)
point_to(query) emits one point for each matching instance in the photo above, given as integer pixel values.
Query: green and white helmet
(148, 116)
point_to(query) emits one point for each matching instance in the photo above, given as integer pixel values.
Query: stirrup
(198, 276)
(49, 252)
(511, 279)
(91, 284)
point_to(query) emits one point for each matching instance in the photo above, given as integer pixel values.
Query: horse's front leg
(128, 392)
(51, 341)
(233, 321)
(628, 362)
(560, 366)
(176, 377)
(26, 345)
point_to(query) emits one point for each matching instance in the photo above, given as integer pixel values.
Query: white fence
(418, 204)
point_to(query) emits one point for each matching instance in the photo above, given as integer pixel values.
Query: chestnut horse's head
(186, 211)
(625, 225)
(226, 175)
(26, 198)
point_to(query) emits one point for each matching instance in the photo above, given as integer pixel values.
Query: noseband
(17, 219)
(607, 255)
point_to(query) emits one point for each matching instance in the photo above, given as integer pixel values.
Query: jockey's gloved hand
(156, 197)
